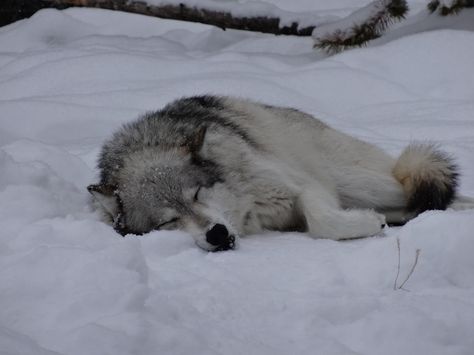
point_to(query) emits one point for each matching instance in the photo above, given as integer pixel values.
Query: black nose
(219, 236)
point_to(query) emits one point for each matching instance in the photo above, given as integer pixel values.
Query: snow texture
(70, 285)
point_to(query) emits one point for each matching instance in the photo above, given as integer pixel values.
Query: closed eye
(196, 195)
(173, 220)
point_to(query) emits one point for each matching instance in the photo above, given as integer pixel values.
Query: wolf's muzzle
(219, 236)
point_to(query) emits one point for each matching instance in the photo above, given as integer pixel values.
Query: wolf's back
(428, 176)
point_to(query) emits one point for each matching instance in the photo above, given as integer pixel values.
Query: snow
(70, 285)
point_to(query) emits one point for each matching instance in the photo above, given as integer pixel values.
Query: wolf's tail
(429, 177)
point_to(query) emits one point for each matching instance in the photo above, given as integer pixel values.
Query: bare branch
(398, 267)
(418, 251)
(14, 10)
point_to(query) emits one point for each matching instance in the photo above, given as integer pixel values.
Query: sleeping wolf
(221, 167)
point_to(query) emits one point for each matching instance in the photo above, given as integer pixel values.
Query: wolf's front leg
(325, 219)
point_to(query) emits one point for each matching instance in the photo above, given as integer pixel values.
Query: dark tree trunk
(13, 10)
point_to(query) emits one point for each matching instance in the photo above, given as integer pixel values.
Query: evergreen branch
(452, 8)
(357, 29)
(433, 5)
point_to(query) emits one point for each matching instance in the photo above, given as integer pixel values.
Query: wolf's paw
(364, 223)
(381, 219)
(374, 223)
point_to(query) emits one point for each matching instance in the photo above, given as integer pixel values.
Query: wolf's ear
(105, 195)
(195, 142)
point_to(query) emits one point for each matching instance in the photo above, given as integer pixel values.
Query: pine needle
(452, 9)
(380, 15)
(433, 5)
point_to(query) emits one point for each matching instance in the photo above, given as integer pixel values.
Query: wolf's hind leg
(400, 216)
(396, 216)
(325, 219)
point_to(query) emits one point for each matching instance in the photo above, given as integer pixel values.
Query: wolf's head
(171, 188)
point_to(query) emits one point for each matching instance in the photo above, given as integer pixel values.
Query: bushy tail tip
(429, 177)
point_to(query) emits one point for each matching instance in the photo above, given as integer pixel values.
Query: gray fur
(212, 165)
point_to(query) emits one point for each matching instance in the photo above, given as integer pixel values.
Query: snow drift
(70, 285)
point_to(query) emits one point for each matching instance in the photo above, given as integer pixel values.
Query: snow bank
(70, 285)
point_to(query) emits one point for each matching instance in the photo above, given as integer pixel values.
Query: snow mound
(70, 285)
